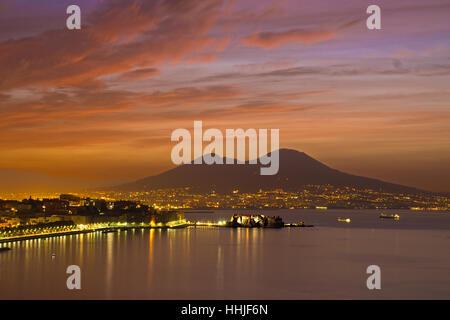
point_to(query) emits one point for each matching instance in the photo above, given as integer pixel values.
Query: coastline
(75, 232)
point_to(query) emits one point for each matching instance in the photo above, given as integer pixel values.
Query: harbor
(236, 221)
(165, 221)
(215, 255)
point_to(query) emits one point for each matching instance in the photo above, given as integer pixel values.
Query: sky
(101, 103)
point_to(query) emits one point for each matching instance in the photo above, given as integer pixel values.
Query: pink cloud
(121, 37)
(270, 40)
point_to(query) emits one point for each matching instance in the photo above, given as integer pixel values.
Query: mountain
(296, 169)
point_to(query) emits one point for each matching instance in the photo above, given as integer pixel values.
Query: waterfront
(324, 262)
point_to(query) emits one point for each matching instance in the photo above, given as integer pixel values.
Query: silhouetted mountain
(296, 170)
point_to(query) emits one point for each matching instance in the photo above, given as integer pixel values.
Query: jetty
(236, 221)
(251, 221)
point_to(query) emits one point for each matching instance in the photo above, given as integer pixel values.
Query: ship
(110, 231)
(389, 216)
(300, 224)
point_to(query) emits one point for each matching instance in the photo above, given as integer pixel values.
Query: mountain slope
(296, 170)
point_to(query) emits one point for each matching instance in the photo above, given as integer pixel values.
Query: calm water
(325, 262)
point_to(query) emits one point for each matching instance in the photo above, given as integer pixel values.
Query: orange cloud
(270, 40)
(139, 74)
(190, 95)
(47, 109)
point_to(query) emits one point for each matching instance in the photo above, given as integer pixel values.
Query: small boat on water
(2, 249)
(347, 220)
(389, 216)
(180, 226)
(109, 231)
(301, 224)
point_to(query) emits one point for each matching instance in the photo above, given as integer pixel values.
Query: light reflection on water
(328, 261)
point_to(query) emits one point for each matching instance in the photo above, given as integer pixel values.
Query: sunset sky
(101, 102)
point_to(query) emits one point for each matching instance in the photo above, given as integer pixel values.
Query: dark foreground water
(325, 262)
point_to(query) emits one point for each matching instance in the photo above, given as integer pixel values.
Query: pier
(236, 221)
(84, 231)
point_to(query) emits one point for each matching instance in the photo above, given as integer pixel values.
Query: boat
(109, 231)
(178, 226)
(4, 249)
(301, 224)
(347, 220)
(389, 216)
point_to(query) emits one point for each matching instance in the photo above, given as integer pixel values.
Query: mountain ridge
(297, 169)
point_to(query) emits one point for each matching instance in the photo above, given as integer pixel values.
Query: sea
(327, 261)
